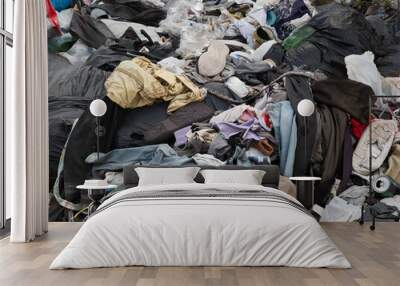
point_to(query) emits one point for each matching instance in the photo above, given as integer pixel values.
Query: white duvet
(200, 231)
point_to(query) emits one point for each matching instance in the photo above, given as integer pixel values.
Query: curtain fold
(27, 124)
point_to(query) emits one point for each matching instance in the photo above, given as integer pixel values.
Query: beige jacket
(394, 164)
(139, 82)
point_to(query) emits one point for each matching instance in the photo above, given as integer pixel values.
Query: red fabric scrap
(357, 128)
(267, 120)
(52, 16)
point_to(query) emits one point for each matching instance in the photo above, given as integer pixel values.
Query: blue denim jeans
(284, 123)
(161, 155)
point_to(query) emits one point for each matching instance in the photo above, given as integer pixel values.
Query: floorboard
(375, 257)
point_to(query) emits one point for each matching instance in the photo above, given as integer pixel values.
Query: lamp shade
(306, 107)
(98, 108)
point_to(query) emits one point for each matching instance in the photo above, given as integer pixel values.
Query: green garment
(297, 37)
(61, 44)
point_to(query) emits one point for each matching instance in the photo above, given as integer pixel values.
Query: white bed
(267, 229)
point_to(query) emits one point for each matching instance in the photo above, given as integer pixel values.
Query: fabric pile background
(218, 82)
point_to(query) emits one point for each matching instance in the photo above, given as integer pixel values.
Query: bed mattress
(201, 225)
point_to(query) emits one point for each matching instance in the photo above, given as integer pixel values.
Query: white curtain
(27, 124)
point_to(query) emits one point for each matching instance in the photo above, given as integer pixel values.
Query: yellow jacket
(139, 82)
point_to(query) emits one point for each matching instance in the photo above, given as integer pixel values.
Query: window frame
(6, 40)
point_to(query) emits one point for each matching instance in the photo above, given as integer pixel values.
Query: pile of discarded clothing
(217, 82)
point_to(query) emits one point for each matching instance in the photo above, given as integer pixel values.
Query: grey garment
(56, 188)
(278, 93)
(194, 146)
(338, 210)
(247, 158)
(199, 138)
(333, 127)
(75, 80)
(220, 91)
(220, 148)
(97, 13)
(380, 28)
(317, 157)
(323, 5)
(242, 67)
(191, 73)
(202, 133)
(298, 88)
(355, 195)
(382, 211)
(118, 28)
(78, 53)
(207, 160)
(239, 157)
(244, 70)
(211, 7)
(307, 74)
(117, 159)
(59, 69)
(395, 201)
(272, 94)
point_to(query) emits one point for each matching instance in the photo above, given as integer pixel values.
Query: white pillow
(243, 177)
(166, 176)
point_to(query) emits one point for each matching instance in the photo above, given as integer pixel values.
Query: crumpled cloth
(338, 210)
(207, 160)
(383, 132)
(231, 115)
(206, 135)
(247, 130)
(156, 155)
(394, 164)
(355, 195)
(394, 202)
(139, 82)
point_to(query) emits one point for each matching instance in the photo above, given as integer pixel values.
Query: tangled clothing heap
(139, 82)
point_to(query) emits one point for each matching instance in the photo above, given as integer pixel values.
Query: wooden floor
(375, 257)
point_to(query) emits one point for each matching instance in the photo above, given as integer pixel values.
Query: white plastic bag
(338, 210)
(362, 68)
(194, 38)
(173, 65)
(179, 13)
(237, 86)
